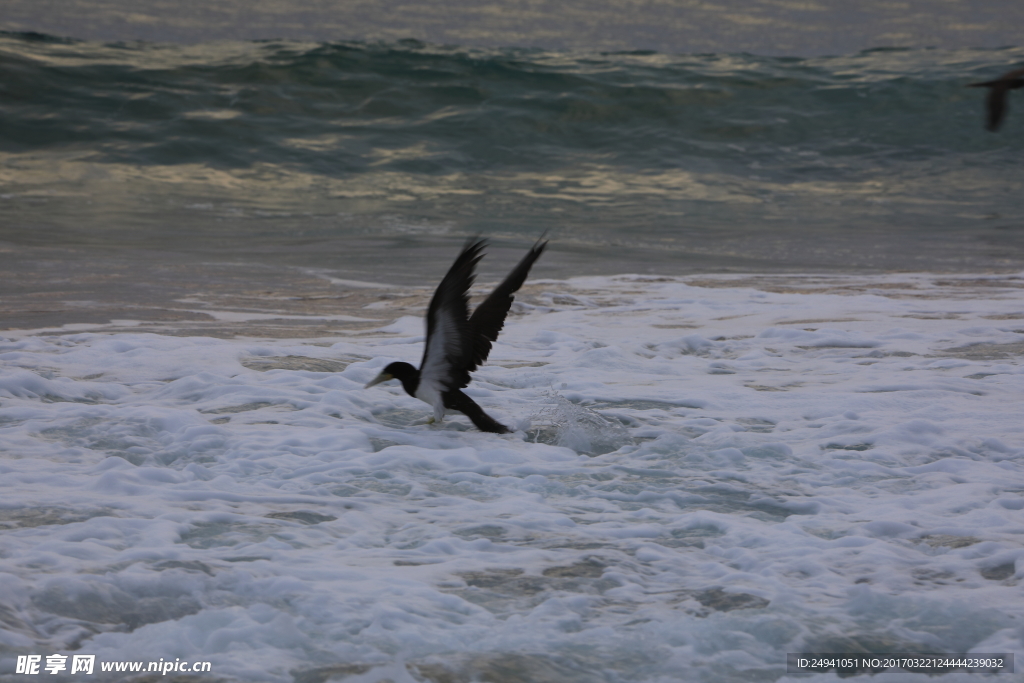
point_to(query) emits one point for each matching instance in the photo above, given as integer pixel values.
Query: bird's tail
(456, 400)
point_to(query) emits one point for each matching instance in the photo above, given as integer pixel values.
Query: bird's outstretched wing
(447, 324)
(1012, 75)
(489, 317)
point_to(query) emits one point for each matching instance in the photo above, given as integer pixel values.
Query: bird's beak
(382, 377)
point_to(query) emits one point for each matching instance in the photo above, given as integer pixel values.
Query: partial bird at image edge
(996, 100)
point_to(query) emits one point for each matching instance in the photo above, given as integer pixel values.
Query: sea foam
(702, 480)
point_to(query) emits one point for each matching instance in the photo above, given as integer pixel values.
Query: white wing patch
(444, 346)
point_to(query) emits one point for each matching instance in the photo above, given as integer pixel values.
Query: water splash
(567, 424)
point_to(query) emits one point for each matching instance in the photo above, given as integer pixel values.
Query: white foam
(703, 481)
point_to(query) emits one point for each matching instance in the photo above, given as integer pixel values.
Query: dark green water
(347, 156)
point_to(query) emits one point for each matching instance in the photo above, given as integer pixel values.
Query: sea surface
(764, 27)
(378, 159)
(764, 386)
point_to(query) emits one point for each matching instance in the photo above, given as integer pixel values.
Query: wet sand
(64, 291)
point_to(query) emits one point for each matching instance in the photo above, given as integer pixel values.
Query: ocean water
(765, 383)
(705, 476)
(358, 157)
(764, 27)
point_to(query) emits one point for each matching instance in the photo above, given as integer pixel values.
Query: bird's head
(399, 371)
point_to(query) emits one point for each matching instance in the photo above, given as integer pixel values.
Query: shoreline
(316, 306)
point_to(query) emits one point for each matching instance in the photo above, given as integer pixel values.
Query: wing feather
(1016, 74)
(489, 317)
(447, 323)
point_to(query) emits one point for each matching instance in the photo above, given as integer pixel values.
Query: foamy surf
(704, 479)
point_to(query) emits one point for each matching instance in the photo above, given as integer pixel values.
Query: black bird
(997, 95)
(457, 342)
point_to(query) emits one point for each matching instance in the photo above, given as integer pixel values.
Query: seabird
(457, 342)
(997, 95)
